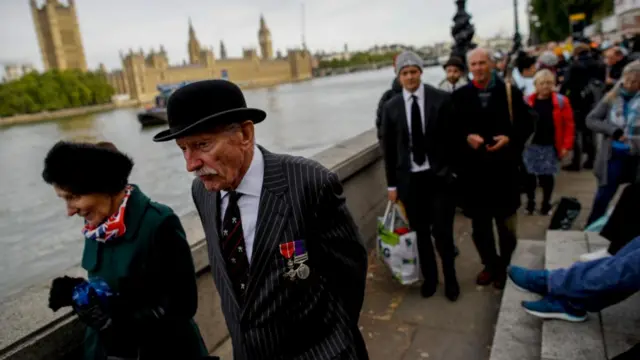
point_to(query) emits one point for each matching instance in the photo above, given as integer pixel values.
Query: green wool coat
(151, 267)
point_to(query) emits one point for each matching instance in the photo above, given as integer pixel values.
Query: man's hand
(501, 141)
(475, 141)
(610, 81)
(393, 195)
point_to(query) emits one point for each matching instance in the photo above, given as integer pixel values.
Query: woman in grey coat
(617, 118)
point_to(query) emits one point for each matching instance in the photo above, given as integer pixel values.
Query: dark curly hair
(85, 168)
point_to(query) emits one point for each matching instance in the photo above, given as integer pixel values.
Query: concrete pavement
(398, 324)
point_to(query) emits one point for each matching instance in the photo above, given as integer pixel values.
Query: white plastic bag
(397, 245)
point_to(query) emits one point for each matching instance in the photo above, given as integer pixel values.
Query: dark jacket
(396, 88)
(151, 267)
(561, 68)
(293, 319)
(396, 140)
(490, 180)
(580, 73)
(615, 72)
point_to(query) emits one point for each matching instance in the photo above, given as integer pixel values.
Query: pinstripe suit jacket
(315, 318)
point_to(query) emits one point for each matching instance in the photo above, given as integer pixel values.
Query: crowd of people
(500, 125)
(285, 253)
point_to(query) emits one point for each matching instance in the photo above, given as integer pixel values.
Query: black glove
(61, 292)
(135, 307)
(95, 314)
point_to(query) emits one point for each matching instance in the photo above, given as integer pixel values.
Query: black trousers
(431, 210)
(546, 182)
(584, 143)
(485, 242)
(623, 225)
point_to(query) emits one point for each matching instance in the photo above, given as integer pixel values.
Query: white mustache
(205, 171)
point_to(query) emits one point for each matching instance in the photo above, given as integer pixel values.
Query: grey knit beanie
(408, 58)
(548, 58)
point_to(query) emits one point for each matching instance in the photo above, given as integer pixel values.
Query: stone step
(519, 335)
(620, 322)
(563, 340)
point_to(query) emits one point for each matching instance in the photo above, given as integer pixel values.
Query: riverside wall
(31, 331)
(64, 113)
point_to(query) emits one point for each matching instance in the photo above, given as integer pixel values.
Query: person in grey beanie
(419, 168)
(408, 58)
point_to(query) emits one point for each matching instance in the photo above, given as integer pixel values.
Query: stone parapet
(31, 331)
(64, 113)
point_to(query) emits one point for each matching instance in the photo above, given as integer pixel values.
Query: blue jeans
(605, 193)
(595, 285)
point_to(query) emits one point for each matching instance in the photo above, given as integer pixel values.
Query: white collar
(419, 93)
(251, 183)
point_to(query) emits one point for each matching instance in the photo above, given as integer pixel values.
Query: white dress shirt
(250, 187)
(408, 102)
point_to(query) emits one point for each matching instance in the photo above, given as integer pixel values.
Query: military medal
(287, 250)
(302, 271)
(300, 256)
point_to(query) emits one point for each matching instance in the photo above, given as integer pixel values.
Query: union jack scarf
(113, 227)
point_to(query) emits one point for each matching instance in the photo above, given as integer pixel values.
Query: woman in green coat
(141, 291)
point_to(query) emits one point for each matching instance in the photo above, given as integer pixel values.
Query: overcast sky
(110, 25)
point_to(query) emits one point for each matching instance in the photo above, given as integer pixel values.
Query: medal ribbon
(287, 249)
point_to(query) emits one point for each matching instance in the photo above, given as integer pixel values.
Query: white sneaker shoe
(598, 254)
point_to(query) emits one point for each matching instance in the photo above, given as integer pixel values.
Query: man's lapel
(429, 110)
(403, 122)
(273, 214)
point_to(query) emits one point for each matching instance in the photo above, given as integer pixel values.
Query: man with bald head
(616, 60)
(493, 125)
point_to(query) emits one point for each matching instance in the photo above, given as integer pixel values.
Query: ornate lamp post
(462, 31)
(517, 39)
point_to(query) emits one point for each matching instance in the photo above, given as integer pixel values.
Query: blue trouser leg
(595, 285)
(605, 193)
(601, 202)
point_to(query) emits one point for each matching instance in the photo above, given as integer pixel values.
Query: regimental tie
(233, 247)
(417, 134)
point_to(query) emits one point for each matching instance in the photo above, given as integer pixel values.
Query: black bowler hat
(454, 61)
(206, 104)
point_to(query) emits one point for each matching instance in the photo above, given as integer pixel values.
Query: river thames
(37, 239)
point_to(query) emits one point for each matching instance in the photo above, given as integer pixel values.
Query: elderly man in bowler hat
(416, 141)
(285, 253)
(456, 76)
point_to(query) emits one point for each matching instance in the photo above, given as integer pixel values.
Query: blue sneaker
(534, 281)
(552, 308)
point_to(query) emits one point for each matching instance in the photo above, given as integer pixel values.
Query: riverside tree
(53, 90)
(554, 16)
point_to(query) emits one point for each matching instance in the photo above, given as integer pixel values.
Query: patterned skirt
(540, 159)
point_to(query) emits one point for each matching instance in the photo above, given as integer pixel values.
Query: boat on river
(157, 114)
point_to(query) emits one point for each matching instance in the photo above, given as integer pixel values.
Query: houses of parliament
(61, 48)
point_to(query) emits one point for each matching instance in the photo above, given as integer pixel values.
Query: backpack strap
(560, 100)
